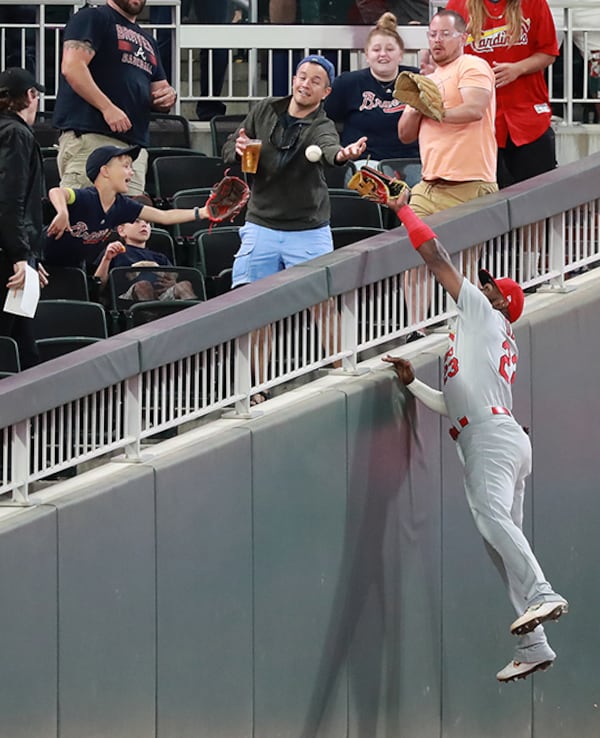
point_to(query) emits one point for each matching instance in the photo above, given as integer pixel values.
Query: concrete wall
(311, 572)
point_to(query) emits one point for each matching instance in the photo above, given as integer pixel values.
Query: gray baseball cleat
(539, 613)
(521, 670)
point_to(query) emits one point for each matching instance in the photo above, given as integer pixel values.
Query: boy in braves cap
(479, 371)
(86, 217)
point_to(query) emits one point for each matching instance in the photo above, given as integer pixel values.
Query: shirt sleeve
(476, 73)
(87, 25)
(545, 38)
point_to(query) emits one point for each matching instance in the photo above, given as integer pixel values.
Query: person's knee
(143, 291)
(183, 291)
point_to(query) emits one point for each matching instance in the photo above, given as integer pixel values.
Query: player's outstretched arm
(430, 249)
(431, 398)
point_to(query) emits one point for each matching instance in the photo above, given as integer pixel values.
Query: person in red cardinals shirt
(518, 39)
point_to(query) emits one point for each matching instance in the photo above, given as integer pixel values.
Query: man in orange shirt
(459, 153)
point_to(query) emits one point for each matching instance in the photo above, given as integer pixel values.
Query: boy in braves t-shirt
(85, 218)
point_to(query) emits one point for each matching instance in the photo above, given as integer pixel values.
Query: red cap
(510, 290)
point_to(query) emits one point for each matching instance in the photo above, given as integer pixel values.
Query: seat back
(175, 173)
(43, 130)
(50, 348)
(408, 170)
(344, 236)
(10, 362)
(166, 129)
(170, 283)
(66, 283)
(221, 126)
(336, 177)
(351, 211)
(162, 241)
(216, 249)
(61, 318)
(157, 152)
(145, 312)
(51, 175)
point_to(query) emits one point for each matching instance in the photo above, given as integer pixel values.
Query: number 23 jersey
(481, 361)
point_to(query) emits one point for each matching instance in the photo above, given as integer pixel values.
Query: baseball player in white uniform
(479, 369)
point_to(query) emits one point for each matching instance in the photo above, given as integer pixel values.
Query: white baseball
(313, 153)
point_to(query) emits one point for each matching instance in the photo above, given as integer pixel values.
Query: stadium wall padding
(312, 573)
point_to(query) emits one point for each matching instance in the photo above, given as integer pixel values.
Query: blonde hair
(387, 25)
(477, 13)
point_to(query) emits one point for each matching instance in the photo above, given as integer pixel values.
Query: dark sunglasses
(285, 139)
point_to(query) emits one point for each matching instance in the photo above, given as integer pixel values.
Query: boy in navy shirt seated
(131, 251)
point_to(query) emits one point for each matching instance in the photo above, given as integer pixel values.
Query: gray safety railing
(118, 394)
(254, 50)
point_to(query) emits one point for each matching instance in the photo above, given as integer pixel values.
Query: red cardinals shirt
(522, 107)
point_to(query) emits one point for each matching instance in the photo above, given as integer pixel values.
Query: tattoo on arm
(79, 45)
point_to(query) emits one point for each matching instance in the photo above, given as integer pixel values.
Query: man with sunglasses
(288, 213)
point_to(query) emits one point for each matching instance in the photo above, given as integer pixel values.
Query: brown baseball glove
(374, 185)
(227, 199)
(420, 93)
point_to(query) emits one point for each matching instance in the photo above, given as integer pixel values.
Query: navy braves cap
(510, 290)
(102, 155)
(321, 61)
(16, 81)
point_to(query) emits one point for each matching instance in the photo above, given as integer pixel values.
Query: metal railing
(257, 53)
(225, 374)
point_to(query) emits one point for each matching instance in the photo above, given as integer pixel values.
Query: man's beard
(129, 7)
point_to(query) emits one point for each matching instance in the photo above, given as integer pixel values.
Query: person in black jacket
(21, 193)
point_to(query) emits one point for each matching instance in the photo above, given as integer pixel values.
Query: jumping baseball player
(479, 369)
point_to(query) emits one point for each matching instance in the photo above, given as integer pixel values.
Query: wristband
(418, 232)
(196, 213)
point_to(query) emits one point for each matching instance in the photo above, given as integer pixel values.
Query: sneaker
(538, 613)
(521, 670)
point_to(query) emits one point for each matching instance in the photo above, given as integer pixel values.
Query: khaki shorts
(427, 198)
(74, 150)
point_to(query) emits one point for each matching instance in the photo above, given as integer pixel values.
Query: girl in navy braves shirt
(363, 100)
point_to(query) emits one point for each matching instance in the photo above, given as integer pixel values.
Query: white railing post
(349, 332)
(133, 418)
(556, 256)
(20, 452)
(242, 377)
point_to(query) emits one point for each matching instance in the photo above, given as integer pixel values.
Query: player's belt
(464, 421)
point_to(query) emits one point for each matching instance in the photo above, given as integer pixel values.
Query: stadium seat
(344, 236)
(220, 128)
(347, 210)
(66, 283)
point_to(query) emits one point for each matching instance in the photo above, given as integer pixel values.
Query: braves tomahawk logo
(136, 49)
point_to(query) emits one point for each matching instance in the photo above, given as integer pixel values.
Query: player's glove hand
(421, 93)
(227, 199)
(374, 185)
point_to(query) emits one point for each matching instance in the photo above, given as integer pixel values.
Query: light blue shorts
(265, 251)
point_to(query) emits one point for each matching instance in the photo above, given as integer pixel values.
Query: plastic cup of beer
(251, 156)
